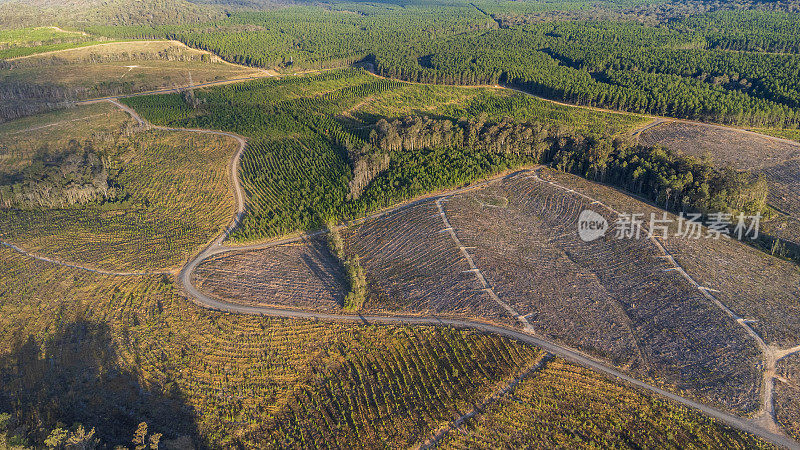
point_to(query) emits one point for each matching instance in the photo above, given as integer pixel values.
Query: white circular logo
(591, 225)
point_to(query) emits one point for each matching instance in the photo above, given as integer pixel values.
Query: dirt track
(216, 247)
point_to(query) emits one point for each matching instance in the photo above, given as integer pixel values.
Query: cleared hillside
(752, 283)
(143, 353)
(53, 78)
(171, 192)
(778, 160)
(299, 275)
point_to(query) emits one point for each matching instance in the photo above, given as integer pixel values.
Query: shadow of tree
(74, 375)
(327, 269)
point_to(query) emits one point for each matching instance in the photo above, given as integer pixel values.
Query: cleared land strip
(201, 299)
(770, 354)
(95, 44)
(481, 279)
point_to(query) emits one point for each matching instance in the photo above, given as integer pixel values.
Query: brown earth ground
(778, 159)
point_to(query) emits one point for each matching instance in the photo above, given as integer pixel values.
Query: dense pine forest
(722, 65)
(732, 63)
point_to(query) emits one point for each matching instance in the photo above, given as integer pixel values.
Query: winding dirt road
(217, 247)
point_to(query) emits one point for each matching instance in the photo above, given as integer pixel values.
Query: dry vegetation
(146, 354)
(399, 390)
(778, 160)
(74, 343)
(301, 275)
(176, 185)
(787, 395)
(611, 297)
(22, 138)
(616, 296)
(565, 406)
(39, 82)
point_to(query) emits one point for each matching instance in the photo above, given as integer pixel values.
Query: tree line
(674, 181)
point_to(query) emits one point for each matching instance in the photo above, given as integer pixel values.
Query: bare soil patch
(787, 395)
(302, 275)
(778, 160)
(752, 283)
(610, 297)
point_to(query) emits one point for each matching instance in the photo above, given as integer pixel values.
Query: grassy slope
(178, 186)
(122, 67)
(22, 138)
(786, 133)
(28, 41)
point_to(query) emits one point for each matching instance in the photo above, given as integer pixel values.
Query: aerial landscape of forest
(399, 223)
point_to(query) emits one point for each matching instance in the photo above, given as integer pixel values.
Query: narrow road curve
(206, 301)
(233, 166)
(215, 247)
(566, 353)
(238, 191)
